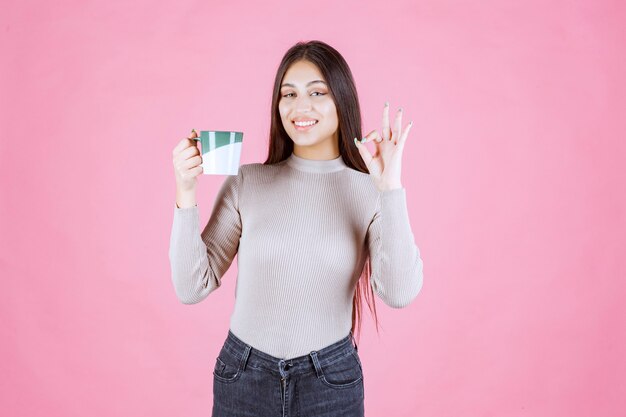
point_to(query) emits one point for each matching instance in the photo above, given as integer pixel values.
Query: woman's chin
(303, 139)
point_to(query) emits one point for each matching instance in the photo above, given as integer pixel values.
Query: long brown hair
(340, 82)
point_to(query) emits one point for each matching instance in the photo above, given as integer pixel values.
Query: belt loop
(316, 364)
(246, 355)
(356, 347)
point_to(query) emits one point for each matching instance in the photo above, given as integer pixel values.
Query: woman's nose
(303, 104)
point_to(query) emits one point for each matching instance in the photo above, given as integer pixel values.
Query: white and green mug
(221, 151)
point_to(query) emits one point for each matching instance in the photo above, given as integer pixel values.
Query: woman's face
(306, 97)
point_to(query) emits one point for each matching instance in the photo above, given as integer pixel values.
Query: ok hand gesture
(386, 162)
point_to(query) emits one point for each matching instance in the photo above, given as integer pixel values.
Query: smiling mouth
(305, 127)
(308, 124)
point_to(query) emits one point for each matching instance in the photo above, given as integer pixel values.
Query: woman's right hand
(187, 160)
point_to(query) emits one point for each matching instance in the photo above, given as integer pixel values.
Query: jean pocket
(345, 372)
(228, 367)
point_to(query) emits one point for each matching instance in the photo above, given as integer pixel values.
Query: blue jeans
(327, 382)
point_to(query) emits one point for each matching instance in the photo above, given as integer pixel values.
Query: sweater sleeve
(397, 268)
(199, 260)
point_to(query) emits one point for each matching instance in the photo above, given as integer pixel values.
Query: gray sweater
(301, 230)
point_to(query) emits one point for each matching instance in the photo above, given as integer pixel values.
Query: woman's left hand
(385, 166)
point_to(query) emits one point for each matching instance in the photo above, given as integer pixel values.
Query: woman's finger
(365, 153)
(372, 136)
(193, 138)
(397, 127)
(386, 130)
(375, 137)
(405, 133)
(184, 143)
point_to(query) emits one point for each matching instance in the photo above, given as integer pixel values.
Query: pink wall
(512, 172)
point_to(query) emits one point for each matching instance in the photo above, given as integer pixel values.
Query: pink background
(512, 172)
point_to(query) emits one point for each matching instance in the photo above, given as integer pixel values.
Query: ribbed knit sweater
(301, 230)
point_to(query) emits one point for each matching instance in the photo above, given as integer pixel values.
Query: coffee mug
(221, 151)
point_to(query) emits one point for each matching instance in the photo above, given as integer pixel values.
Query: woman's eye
(322, 94)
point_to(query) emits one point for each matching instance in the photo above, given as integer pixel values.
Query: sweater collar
(316, 165)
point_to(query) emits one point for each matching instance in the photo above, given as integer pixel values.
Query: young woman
(318, 226)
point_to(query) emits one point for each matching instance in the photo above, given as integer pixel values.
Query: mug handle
(199, 141)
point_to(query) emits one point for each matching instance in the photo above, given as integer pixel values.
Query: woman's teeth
(303, 124)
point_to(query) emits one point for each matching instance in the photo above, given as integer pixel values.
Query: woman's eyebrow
(308, 84)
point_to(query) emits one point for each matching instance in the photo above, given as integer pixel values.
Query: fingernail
(362, 140)
(194, 131)
(355, 141)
